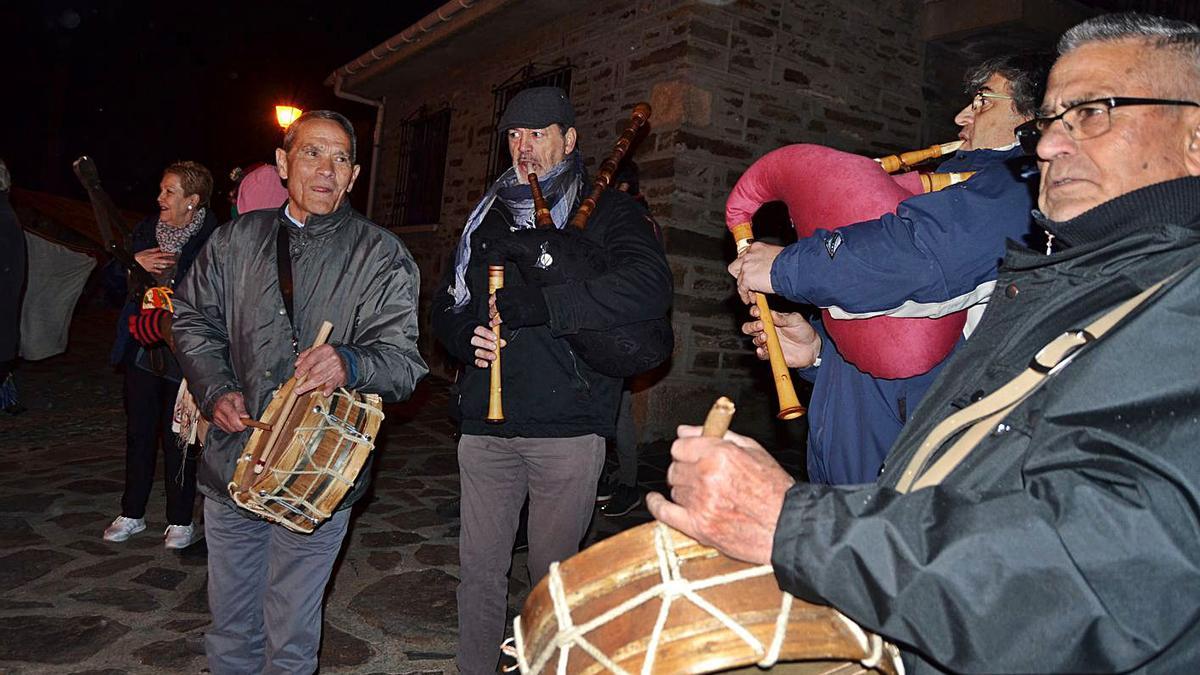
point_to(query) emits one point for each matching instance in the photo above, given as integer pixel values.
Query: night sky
(137, 85)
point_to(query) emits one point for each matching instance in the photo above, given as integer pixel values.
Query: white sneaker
(123, 528)
(179, 536)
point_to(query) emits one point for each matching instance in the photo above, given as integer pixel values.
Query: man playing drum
(242, 318)
(557, 408)
(936, 255)
(1057, 533)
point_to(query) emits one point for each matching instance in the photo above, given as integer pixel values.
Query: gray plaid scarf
(560, 186)
(172, 239)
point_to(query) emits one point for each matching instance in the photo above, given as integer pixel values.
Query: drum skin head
(624, 574)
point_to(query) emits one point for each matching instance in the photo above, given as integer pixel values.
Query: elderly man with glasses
(1052, 525)
(935, 256)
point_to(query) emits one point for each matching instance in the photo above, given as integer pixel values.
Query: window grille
(420, 169)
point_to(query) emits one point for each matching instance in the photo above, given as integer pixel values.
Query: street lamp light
(286, 114)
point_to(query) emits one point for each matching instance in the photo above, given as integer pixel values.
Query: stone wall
(728, 82)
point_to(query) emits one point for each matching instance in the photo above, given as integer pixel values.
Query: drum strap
(986, 415)
(283, 261)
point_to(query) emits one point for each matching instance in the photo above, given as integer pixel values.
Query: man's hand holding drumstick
(727, 493)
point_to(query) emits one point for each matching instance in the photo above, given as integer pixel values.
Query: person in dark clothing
(12, 287)
(557, 408)
(1054, 528)
(618, 493)
(936, 255)
(165, 246)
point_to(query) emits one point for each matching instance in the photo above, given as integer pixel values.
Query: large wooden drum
(321, 446)
(652, 600)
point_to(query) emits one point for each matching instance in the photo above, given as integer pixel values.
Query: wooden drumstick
(718, 419)
(789, 403)
(255, 424)
(495, 413)
(288, 403)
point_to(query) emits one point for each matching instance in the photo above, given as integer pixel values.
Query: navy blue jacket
(937, 254)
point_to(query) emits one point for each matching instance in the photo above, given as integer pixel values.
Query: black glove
(522, 306)
(548, 257)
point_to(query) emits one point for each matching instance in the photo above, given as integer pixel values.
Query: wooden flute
(789, 403)
(495, 413)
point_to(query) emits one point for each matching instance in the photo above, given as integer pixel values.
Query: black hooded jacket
(1069, 539)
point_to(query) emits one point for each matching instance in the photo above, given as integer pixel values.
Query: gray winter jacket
(232, 332)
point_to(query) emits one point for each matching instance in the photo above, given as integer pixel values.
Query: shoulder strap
(283, 261)
(980, 418)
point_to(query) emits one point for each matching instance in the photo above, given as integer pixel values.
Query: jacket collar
(318, 226)
(1156, 217)
(975, 160)
(1174, 202)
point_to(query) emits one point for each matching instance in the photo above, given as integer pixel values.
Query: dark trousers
(626, 442)
(149, 404)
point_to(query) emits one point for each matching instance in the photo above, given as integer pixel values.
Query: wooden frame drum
(652, 600)
(322, 446)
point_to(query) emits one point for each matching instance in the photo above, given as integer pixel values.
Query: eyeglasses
(983, 98)
(1085, 120)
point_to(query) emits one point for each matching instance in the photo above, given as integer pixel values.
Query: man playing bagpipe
(557, 404)
(936, 255)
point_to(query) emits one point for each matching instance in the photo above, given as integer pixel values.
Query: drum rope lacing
(672, 586)
(308, 437)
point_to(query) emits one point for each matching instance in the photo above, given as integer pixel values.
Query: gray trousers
(266, 585)
(559, 475)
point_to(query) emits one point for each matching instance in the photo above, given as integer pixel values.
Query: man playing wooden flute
(936, 255)
(557, 408)
(1053, 526)
(257, 294)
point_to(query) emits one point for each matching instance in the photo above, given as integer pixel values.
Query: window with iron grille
(420, 169)
(560, 76)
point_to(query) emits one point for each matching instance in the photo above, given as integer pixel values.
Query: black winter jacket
(1069, 540)
(549, 392)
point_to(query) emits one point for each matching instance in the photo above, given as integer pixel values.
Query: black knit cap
(537, 108)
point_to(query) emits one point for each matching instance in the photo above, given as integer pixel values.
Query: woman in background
(165, 246)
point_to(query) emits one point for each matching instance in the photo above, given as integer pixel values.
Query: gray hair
(1026, 75)
(5, 177)
(1178, 38)
(289, 137)
(1131, 25)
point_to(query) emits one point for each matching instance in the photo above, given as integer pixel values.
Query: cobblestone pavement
(73, 603)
